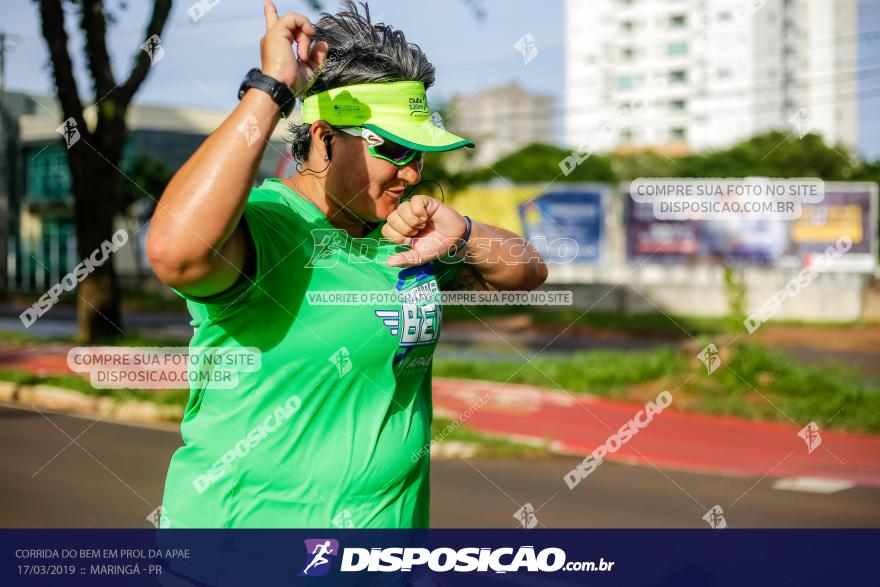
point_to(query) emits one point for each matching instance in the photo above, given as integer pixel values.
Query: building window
(678, 76)
(679, 48)
(627, 53)
(678, 21)
(677, 134)
(723, 73)
(626, 26)
(48, 175)
(626, 136)
(624, 82)
(678, 105)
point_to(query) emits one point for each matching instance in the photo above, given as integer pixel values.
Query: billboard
(847, 210)
(566, 224)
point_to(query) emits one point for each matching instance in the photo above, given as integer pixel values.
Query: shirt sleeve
(267, 226)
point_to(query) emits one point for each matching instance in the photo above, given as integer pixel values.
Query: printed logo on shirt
(417, 323)
(411, 364)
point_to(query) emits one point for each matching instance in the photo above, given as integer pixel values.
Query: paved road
(115, 479)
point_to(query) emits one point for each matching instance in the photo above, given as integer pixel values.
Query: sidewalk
(577, 424)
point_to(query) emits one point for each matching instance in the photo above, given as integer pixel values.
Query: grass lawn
(834, 396)
(606, 373)
(654, 323)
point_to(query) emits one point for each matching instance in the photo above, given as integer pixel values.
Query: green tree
(772, 154)
(867, 171)
(540, 162)
(630, 166)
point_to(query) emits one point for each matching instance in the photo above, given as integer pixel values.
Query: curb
(59, 398)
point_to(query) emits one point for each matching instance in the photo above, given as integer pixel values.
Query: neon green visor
(397, 111)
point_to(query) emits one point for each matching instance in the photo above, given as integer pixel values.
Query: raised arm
(196, 242)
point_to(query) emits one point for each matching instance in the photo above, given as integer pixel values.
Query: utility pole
(4, 174)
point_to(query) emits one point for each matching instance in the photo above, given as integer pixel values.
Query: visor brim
(424, 137)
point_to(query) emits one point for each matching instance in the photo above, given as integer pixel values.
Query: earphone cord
(410, 189)
(299, 169)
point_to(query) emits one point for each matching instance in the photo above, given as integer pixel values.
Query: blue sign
(566, 224)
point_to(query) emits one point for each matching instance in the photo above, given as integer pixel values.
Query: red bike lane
(579, 423)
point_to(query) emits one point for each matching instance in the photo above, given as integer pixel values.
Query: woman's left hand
(428, 226)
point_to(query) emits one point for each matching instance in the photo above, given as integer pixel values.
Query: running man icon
(317, 563)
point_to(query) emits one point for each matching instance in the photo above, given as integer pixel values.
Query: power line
(583, 108)
(764, 85)
(744, 86)
(868, 94)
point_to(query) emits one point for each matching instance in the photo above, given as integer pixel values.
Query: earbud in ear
(327, 145)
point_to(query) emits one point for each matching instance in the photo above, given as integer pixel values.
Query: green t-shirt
(333, 429)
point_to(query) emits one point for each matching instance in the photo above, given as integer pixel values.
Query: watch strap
(278, 90)
(462, 242)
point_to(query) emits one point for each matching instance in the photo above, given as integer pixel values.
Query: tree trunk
(95, 183)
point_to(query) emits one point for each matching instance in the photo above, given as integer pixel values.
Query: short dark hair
(361, 52)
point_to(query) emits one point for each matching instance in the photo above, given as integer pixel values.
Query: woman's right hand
(298, 70)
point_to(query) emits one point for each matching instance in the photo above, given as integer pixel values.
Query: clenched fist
(276, 49)
(428, 226)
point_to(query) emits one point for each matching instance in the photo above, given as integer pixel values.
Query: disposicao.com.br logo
(318, 551)
(440, 560)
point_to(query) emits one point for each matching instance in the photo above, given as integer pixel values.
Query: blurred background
(568, 101)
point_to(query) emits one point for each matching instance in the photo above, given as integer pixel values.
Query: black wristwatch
(279, 91)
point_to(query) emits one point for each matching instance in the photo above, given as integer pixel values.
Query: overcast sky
(205, 61)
